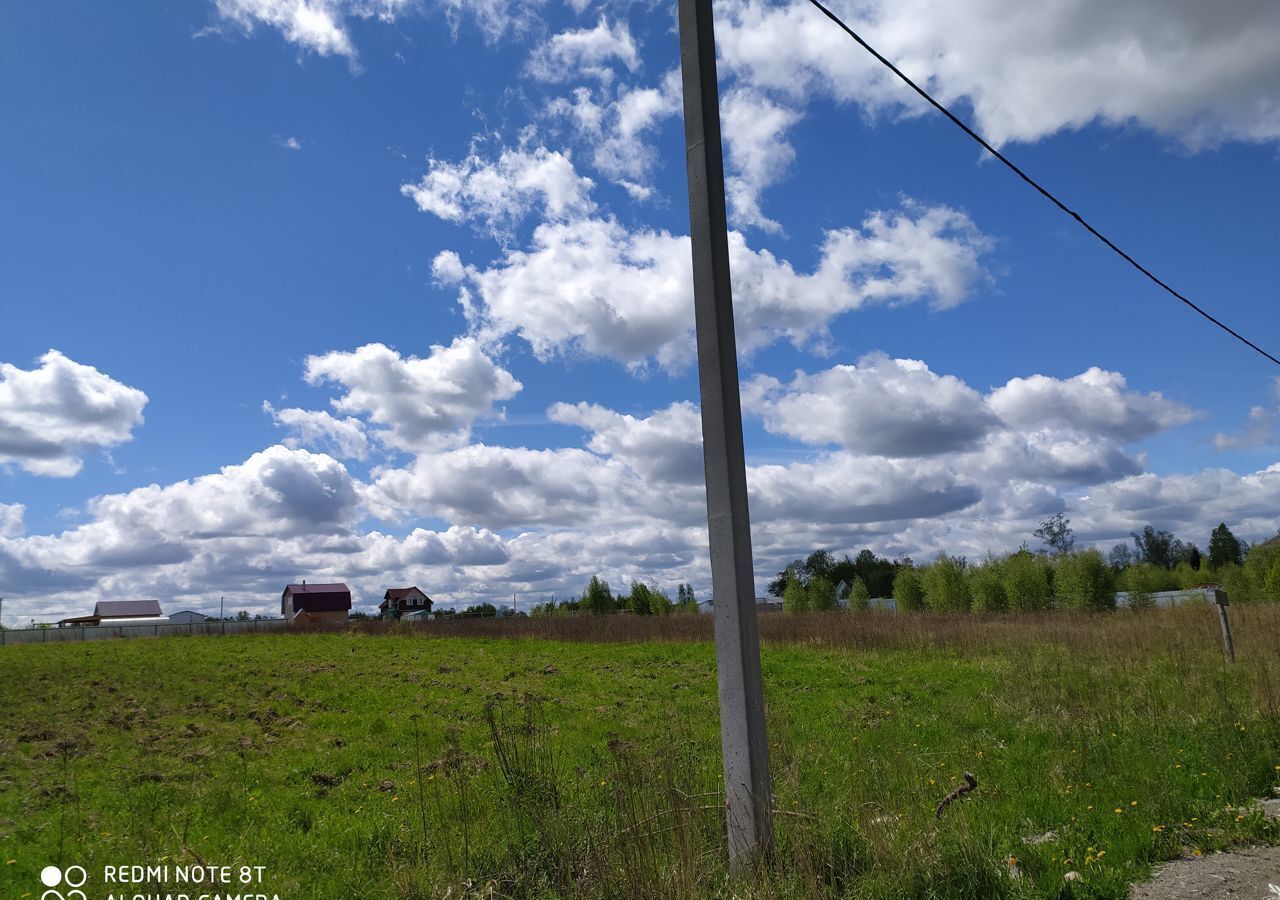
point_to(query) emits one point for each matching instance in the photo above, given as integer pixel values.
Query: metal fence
(103, 632)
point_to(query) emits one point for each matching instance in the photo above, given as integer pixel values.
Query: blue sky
(213, 205)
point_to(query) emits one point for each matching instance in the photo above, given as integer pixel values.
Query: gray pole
(748, 798)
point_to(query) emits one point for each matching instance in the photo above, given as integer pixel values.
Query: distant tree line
(641, 600)
(1056, 576)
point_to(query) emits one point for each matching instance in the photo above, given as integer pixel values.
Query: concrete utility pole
(748, 796)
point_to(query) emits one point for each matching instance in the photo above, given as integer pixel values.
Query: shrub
(986, 586)
(1240, 584)
(795, 598)
(1085, 582)
(859, 594)
(660, 604)
(1271, 587)
(1141, 581)
(1026, 581)
(945, 587)
(908, 589)
(1186, 577)
(822, 593)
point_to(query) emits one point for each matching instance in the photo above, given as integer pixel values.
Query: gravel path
(1246, 874)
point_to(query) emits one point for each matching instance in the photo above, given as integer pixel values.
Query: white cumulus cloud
(53, 415)
(318, 429)
(1199, 73)
(416, 403)
(502, 192)
(591, 285)
(586, 51)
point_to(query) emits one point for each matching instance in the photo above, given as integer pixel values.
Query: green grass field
(540, 759)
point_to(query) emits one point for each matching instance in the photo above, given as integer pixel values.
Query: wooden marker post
(1228, 647)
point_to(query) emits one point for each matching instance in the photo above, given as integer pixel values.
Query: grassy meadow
(580, 757)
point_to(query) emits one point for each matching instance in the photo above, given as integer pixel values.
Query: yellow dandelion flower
(1157, 828)
(1119, 811)
(1133, 802)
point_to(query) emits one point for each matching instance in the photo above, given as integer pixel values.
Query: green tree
(1185, 575)
(1120, 557)
(1026, 582)
(876, 572)
(1271, 587)
(1239, 583)
(1141, 582)
(1084, 581)
(822, 593)
(859, 594)
(1158, 547)
(1224, 548)
(986, 586)
(795, 598)
(597, 599)
(820, 564)
(793, 572)
(908, 589)
(640, 601)
(660, 604)
(945, 586)
(1056, 532)
(685, 601)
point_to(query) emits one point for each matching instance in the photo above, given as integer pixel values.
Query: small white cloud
(314, 25)
(319, 430)
(1095, 402)
(617, 127)
(881, 406)
(1262, 429)
(416, 403)
(500, 193)
(51, 416)
(757, 151)
(586, 51)
(11, 516)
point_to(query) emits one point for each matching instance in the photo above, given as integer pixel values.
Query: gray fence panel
(14, 636)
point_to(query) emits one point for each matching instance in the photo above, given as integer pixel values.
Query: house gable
(404, 600)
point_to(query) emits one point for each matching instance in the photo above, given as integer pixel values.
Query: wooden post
(748, 796)
(1228, 647)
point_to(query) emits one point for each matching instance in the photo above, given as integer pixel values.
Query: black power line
(1048, 195)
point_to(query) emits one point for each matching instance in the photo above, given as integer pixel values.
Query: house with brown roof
(309, 604)
(397, 602)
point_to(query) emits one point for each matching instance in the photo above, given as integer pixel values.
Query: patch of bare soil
(1245, 874)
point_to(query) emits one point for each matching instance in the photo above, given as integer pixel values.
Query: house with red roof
(310, 604)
